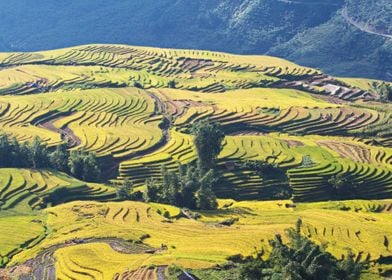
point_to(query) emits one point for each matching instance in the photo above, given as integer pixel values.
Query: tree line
(36, 154)
(300, 259)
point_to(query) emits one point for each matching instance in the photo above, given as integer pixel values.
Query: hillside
(311, 112)
(377, 21)
(298, 143)
(349, 49)
(303, 31)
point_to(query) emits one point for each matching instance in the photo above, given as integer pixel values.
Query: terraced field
(23, 193)
(86, 255)
(29, 190)
(109, 122)
(134, 107)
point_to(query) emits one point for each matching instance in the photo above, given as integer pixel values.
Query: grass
(179, 150)
(150, 67)
(23, 193)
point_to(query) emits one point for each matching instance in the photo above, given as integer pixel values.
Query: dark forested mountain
(345, 37)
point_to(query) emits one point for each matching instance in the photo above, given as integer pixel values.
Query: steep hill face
(346, 38)
(340, 48)
(371, 15)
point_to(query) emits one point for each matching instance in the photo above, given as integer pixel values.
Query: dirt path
(67, 135)
(361, 26)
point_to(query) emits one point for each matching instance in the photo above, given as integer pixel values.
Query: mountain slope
(375, 16)
(340, 48)
(277, 27)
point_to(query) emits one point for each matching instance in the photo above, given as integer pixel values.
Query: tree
(349, 268)
(38, 153)
(384, 90)
(205, 197)
(174, 188)
(137, 84)
(252, 270)
(59, 158)
(190, 188)
(152, 191)
(19, 156)
(91, 169)
(5, 151)
(124, 190)
(75, 164)
(35, 154)
(171, 84)
(165, 193)
(341, 186)
(208, 139)
(84, 165)
(29, 154)
(264, 168)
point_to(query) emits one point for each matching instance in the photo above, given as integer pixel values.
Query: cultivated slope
(86, 97)
(133, 107)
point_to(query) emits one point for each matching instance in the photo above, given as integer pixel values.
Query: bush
(137, 84)
(229, 222)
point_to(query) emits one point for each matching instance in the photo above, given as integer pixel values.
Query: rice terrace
(104, 176)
